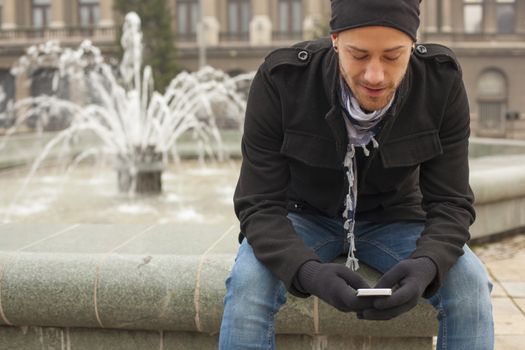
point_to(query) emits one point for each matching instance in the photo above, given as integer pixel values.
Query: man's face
(373, 61)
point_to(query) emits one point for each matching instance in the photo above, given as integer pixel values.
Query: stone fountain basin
(499, 187)
(145, 284)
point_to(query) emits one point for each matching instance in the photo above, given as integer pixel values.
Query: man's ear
(334, 38)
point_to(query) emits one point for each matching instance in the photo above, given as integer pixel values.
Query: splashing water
(127, 121)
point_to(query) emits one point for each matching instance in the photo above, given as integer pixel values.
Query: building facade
(29, 22)
(488, 37)
(235, 35)
(238, 34)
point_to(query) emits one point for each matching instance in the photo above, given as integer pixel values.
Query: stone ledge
(126, 284)
(166, 292)
(496, 184)
(31, 338)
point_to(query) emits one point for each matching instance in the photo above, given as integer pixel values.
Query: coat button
(302, 55)
(421, 49)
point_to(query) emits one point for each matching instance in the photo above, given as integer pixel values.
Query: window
(41, 13)
(239, 16)
(290, 16)
(506, 16)
(88, 12)
(46, 82)
(473, 16)
(187, 17)
(492, 96)
(7, 96)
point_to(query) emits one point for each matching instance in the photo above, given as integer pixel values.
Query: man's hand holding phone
(412, 276)
(335, 284)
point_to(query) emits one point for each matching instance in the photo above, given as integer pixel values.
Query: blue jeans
(254, 294)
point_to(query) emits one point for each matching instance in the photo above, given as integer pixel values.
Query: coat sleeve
(447, 196)
(261, 194)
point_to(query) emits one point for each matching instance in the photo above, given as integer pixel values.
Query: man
(358, 144)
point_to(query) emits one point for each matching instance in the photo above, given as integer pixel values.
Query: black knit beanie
(399, 14)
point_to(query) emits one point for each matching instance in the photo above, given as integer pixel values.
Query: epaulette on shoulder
(439, 53)
(292, 56)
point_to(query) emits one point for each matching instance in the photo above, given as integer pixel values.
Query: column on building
(446, 15)
(9, 14)
(490, 24)
(210, 22)
(313, 19)
(57, 14)
(106, 13)
(429, 10)
(520, 16)
(261, 24)
(456, 16)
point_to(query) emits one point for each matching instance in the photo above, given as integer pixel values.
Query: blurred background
(93, 91)
(235, 35)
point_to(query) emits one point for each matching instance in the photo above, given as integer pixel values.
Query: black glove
(333, 283)
(413, 276)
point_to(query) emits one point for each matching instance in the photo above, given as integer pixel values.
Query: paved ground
(505, 262)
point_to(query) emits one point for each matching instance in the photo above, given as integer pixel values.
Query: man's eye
(389, 58)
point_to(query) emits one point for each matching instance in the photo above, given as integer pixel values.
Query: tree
(159, 49)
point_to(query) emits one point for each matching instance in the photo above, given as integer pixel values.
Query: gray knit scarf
(361, 129)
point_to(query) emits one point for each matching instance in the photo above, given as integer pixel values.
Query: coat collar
(334, 117)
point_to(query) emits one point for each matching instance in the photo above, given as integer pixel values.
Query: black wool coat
(295, 140)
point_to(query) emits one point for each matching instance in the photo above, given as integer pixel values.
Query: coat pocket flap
(310, 149)
(411, 150)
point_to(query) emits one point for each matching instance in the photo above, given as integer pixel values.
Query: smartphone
(374, 292)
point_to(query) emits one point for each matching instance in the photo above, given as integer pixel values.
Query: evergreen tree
(158, 38)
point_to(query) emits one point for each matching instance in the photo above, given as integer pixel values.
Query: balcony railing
(287, 36)
(186, 37)
(37, 34)
(234, 36)
(475, 37)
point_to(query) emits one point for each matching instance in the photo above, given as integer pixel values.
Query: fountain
(122, 114)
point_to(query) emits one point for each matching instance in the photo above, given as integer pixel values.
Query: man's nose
(374, 74)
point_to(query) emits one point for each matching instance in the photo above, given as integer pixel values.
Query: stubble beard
(372, 103)
(366, 102)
